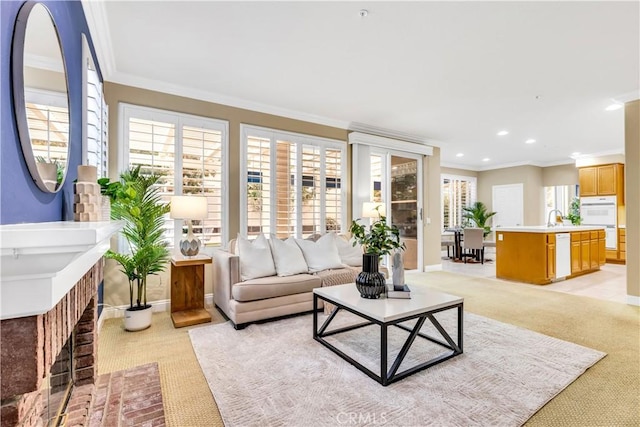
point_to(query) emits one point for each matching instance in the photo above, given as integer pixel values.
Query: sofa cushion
(287, 256)
(270, 287)
(349, 254)
(255, 258)
(322, 254)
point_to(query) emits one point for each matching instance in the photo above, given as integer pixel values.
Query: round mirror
(41, 96)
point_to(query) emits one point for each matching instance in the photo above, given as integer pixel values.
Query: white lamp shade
(369, 210)
(188, 207)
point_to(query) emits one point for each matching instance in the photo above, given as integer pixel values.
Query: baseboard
(112, 312)
(633, 300)
(434, 267)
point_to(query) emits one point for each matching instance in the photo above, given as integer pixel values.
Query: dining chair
(447, 239)
(473, 242)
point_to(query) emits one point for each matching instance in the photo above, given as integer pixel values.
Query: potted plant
(477, 213)
(574, 212)
(380, 239)
(137, 202)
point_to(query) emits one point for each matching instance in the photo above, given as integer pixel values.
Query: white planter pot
(137, 320)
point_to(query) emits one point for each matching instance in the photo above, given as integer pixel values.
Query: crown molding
(96, 17)
(628, 97)
(187, 92)
(507, 165)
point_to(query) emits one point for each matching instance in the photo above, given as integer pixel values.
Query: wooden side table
(187, 290)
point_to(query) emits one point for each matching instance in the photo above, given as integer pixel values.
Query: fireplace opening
(59, 385)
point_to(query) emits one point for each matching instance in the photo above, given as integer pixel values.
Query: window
(560, 197)
(95, 114)
(189, 153)
(457, 192)
(48, 122)
(292, 183)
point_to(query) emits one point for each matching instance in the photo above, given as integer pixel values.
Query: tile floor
(607, 284)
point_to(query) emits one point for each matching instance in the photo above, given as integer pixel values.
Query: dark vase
(370, 282)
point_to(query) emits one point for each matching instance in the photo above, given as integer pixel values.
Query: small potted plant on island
(137, 201)
(380, 239)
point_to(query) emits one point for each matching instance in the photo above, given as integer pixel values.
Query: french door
(396, 181)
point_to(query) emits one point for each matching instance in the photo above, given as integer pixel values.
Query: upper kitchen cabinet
(602, 180)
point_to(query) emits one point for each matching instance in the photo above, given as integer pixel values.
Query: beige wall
(632, 194)
(560, 175)
(460, 172)
(116, 287)
(529, 176)
(432, 210)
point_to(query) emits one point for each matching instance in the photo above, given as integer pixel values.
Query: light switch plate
(500, 236)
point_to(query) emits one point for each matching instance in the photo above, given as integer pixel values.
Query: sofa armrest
(226, 273)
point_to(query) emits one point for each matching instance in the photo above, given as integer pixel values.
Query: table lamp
(189, 208)
(369, 210)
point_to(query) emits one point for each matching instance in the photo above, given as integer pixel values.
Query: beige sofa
(270, 297)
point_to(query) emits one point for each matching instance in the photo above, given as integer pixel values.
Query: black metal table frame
(392, 375)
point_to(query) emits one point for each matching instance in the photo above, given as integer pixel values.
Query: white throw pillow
(255, 258)
(349, 254)
(287, 256)
(321, 254)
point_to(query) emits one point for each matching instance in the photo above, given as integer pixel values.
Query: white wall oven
(602, 211)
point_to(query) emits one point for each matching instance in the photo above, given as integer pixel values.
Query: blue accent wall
(20, 199)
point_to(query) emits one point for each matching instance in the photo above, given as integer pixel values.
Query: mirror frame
(19, 102)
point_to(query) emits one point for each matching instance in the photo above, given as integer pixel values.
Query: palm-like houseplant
(478, 214)
(138, 202)
(380, 239)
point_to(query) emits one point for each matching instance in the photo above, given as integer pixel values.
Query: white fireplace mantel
(41, 262)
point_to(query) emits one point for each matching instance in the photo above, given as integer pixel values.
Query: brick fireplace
(29, 347)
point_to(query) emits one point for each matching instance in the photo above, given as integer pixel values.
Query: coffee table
(424, 303)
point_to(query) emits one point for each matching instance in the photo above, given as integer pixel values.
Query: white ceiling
(451, 74)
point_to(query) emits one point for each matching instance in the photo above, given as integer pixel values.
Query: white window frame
(127, 111)
(300, 140)
(474, 193)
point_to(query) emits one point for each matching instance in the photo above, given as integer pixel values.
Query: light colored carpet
(276, 374)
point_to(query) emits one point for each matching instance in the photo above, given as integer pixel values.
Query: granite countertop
(545, 229)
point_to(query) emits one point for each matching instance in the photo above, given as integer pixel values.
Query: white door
(508, 203)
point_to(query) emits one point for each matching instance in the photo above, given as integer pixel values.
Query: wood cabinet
(622, 242)
(602, 180)
(187, 290)
(587, 251)
(530, 257)
(602, 249)
(551, 256)
(588, 178)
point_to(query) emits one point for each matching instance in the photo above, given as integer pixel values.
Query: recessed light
(530, 141)
(363, 13)
(503, 133)
(614, 107)
(486, 159)
(459, 154)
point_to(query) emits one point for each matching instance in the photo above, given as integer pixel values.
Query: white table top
(388, 309)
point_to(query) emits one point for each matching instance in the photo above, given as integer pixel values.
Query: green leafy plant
(574, 212)
(138, 203)
(108, 188)
(478, 214)
(380, 239)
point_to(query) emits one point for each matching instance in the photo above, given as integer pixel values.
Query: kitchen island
(541, 255)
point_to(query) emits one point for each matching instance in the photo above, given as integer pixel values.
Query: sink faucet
(552, 224)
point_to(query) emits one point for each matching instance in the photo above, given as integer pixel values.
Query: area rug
(275, 374)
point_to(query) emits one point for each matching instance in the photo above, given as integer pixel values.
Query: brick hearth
(30, 345)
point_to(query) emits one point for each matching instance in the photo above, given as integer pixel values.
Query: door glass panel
(404, 206)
